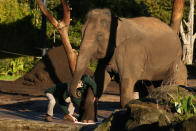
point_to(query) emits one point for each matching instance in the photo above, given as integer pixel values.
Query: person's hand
(73, 118)
(70, 117)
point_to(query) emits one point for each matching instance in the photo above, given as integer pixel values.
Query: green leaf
(184, 104)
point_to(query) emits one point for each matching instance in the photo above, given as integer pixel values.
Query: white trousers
(52, 102)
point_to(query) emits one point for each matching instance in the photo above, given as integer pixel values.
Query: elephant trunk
(81, 65)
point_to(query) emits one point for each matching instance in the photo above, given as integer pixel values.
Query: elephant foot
(88, 121)
(89, 115)
(89, 110)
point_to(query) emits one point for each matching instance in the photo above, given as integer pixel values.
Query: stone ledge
(30, 125)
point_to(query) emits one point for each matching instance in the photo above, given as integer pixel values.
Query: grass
(9, 78)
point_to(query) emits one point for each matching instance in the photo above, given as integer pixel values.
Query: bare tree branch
(53, 21)
(186, 23)
(182, 33)
(189, 37)
(62, 26)
(66, 10)
(194, 37)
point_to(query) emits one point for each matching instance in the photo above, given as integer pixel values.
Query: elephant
(140, 48)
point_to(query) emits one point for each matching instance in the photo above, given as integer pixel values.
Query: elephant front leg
(88, 109)
(127, 91)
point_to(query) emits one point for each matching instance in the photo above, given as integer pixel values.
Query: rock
(187, 125)
(143, 113)
(116, 122)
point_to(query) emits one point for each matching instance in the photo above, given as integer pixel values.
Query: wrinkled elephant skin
(142, 48)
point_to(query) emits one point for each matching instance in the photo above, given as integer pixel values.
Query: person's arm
(65, 108)
(68, 115)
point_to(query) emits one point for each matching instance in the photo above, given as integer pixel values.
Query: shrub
(17, 66)
(184, 105)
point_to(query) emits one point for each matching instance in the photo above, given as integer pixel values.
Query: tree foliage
(13, 12)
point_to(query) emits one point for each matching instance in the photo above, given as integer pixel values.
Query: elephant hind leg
(177, 75)
(127, 91)
(181, 74)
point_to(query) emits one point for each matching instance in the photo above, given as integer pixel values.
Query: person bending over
(60, 94)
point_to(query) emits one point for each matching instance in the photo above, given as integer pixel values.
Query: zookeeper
(60, 94)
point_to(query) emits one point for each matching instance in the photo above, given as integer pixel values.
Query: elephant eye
(99, 36)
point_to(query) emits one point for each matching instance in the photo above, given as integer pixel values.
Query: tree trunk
(62, 26)
(177, 13)
(189, 37)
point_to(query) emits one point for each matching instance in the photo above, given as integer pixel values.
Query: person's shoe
(48, 118)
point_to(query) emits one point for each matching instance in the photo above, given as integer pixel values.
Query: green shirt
(60, 92)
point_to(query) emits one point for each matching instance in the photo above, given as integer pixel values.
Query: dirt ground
(16, 106)
(24, 98)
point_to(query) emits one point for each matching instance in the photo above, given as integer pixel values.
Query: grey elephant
(142, 48)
